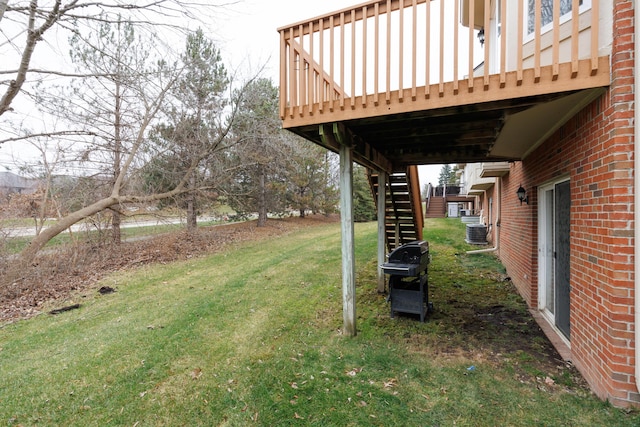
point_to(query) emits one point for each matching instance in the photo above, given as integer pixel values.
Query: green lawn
(252, 337)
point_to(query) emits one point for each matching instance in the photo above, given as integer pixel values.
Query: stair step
(399, 208)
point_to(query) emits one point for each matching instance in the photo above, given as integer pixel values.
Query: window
(547, 13)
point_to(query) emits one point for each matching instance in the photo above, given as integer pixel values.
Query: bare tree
(25, 25)
(52, 155)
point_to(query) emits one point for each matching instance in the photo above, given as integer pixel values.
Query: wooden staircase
(403, 206)
(436, 207)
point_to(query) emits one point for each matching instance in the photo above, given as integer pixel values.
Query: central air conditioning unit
(476, 234)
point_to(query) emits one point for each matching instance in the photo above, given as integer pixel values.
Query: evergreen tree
(260, 169)
(195, 126)
(447, 175)
(364, 208)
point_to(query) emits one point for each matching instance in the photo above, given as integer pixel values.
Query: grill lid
(408, 260)
(410, 253)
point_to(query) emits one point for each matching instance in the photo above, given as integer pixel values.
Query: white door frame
(546, 260)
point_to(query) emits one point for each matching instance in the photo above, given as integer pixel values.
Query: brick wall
(595, 151)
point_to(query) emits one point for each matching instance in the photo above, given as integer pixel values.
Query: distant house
(11, 183)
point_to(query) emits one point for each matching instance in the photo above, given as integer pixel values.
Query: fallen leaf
(298, 417)
(354, 372)
(362, 403)
(294, 386)
(549, 381)
(390, 383)
(196, 373)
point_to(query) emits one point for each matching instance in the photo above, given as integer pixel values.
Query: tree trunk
(116, 220)
(117, 149)
(262, 201)
(28, 254)
(192, 209)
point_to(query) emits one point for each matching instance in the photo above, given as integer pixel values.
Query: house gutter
(636, 198)
(497, 228)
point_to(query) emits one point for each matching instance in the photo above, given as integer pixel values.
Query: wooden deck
(409, 85)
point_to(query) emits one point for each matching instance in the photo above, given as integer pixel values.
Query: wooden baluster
(388, 94)
(472, 12)
(414, 40)
(293, 81)
(442, 36)
(311, 81)
(427, 77)
(301, 64)
(283, 74)
(341, 83)
(353, 59)
(520, 32)
(376, 58)
(401, 53)
(456, 19)
(321, 71)
(364, 57)
(595, 16)
(555, 67)
(536, 53)
(332, 80)
(575, 33)
(503, 43)
(487, 43)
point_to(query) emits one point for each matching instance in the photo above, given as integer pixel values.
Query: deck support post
(336, 133)
(382, 193)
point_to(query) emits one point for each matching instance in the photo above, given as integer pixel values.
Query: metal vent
(476, 234)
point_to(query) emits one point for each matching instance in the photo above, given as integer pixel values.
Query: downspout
(636, 198)
(497, 227)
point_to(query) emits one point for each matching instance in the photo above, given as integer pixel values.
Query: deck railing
(388, 51)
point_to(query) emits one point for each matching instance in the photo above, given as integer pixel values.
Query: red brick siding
(595, 151)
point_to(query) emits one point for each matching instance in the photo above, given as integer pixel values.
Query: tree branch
(3, 8)
(56, 73)
(33, 37)
(49, 134)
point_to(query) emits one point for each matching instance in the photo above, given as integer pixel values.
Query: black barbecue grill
(407, 267)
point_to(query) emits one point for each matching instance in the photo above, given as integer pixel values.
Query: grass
(252, 337)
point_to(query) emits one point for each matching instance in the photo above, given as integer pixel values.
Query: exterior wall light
(522, 195)
(481, 36)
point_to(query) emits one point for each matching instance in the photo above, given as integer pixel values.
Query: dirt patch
(54, 276)
(504, 336)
